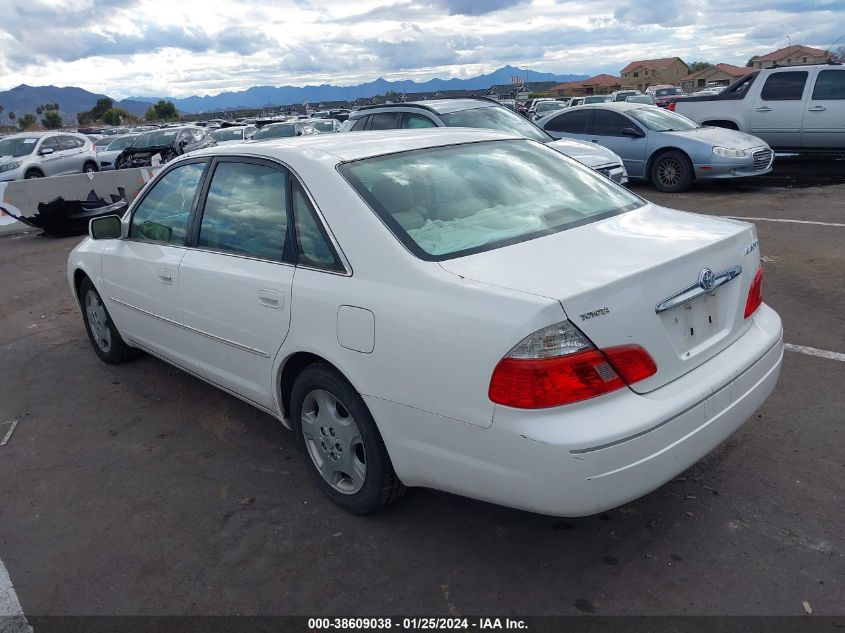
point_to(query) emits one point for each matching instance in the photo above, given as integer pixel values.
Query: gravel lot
(138, 489)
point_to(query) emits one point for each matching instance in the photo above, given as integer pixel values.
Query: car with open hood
(163, 145)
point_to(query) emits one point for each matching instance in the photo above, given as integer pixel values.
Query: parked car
(658, 145)
(663, 94)
(107, 154)
(233, 134)
(641, 99)
(162, 146)
(479, 113)
(793, 108)
(140, 129)
(542, 108)
(340, 114)
(457, 309)
(327, 125)
(576, 101)
(621, 95)
(286, 129)
(39, 154)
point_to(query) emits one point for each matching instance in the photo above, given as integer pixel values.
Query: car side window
(830, 86)
(163, 214)
(416, 121)
(361, 124)
(313, 246)
(385, 121)
(78, 141)
(570, 122)
(609, 123)
(785, 86)
(246, 211)
(50, 143)
(67, 142)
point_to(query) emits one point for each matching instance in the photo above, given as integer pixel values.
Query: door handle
(764, 109)
(816, 109)
(270, 299)
(165, 276)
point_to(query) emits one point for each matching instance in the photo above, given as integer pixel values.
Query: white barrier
(21, 197)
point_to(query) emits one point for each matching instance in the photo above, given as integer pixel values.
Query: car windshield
(548, 106)
(120, 143)
(324, 126)
(236, 134)
(665, 92)
(17, 146)
(446, 202)
(155, 139)
(275, 131)
(102, 142)
(496, 118)
(596, 99)
(660, 120)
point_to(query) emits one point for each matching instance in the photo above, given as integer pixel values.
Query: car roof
(355, 146)
(620, 106)
(439, 106)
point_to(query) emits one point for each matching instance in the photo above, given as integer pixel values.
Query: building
(791, 56)
(716, 75)
(598, 85)
(641, 74)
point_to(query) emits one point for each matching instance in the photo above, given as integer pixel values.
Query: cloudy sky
(186, 47)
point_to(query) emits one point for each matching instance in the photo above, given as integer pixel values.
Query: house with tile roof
(715, 75)
(598, 85)
(643, 73)
(794, 55)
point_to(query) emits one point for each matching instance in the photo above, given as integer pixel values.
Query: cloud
(476, 7)
(664, 13)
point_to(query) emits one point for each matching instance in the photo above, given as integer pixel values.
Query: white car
(236, 134)
(459, 309)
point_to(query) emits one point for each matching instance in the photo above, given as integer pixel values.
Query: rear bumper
(586, 458)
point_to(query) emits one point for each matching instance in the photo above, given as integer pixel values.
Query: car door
(141, 272)
(71, 155)
(824, 116)
(50, 164)
(235, 282)
(778, 111)
(607, 129)
(570, 124)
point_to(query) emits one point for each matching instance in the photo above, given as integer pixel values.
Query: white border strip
(737, 217)
(13, 424)
(812, 351)
(14, 620)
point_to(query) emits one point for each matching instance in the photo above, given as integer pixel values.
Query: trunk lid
(610, 277)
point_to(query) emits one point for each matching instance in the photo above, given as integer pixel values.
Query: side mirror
(632, 132)
(106, 228)
(46, 151)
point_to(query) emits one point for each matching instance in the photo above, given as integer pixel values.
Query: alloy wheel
(669, 172)
(95, 312)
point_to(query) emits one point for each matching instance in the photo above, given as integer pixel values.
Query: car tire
(34, 173)
(671, 172)
(90, 168)
(340, 442)
(104, 337)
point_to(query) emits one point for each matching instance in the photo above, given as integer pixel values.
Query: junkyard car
(39, 154)
(479, 113)
(327, 125)
(163, 145)
(457, 309)
(107, 154)
(237, 134)
(658, 145)
(286, 129)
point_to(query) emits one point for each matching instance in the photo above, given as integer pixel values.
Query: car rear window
(446, 202)
(496, 118)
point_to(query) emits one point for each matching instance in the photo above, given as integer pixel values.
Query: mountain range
(24, 98)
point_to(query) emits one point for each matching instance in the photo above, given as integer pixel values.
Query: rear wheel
(104, 337)
(671, 172)
(340, 442)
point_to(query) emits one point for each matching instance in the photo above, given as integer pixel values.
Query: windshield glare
(17, 146)
(120, 143)
(451, 201)
(155, 139)
(660, 120)
(496, 118)
(274, 131)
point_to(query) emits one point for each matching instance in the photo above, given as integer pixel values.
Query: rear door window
(785, 86)
(67, 142)
(830, 86)
(570, 122)
(312, 242)
(360, 124)
(607, 123)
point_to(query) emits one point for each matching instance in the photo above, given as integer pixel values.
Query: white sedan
(451, 308)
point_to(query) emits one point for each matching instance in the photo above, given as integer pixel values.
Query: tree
(12, 117)
(26, 121)
(750, 63)
(163, 110)
(51, 119)
(695, 67)
(838, 56)
(103, 105)
(115, 116)
(1, 114)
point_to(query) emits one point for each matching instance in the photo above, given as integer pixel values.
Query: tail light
(755, 294)
(559, 365)
(671, 107)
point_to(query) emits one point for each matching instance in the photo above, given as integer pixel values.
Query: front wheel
(340, 442)
(671, 172)
(89, 168)
(104, 337)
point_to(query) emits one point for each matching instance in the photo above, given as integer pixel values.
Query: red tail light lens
(558, 365)
(755, 294)
(671, 106)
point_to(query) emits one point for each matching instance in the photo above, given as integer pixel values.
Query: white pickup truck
(800, 108)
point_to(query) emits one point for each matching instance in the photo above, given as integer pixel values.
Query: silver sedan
(666, 148)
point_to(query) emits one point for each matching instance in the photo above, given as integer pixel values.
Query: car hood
(8, 159)
(591, 154)
(719, 136)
